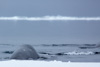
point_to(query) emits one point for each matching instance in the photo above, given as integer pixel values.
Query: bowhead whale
(26, 52)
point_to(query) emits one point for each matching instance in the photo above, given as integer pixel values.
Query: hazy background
(41, 32)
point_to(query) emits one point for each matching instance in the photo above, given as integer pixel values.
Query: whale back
(24, 53)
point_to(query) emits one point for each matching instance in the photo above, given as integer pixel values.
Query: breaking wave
(51, 18)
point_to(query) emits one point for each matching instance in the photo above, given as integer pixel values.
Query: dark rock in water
(26, 52)
(97, 52)
(83, 47)
(55, 45)
(43, 58)
(8, 52)
(60, 54)
(90, 44)
(86, 47)
(45, 53)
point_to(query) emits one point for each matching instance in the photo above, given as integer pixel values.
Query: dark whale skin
(26, 52)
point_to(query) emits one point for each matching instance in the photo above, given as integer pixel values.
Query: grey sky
(49, 31)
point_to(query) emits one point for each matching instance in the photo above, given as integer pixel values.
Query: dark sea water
(59, 52)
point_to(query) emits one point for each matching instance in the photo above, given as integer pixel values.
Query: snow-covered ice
(31, 63)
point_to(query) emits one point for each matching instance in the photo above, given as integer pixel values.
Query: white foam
(79, 53)
(51, 18)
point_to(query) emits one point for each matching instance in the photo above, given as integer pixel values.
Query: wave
(72, 53)
(60, 45)
(79, 53)
(51, 18)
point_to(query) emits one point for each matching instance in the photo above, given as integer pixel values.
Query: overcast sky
(41, 32)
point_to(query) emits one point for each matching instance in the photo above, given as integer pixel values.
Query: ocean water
(59, 52)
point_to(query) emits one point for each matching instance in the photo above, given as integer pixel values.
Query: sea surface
(58, 52)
